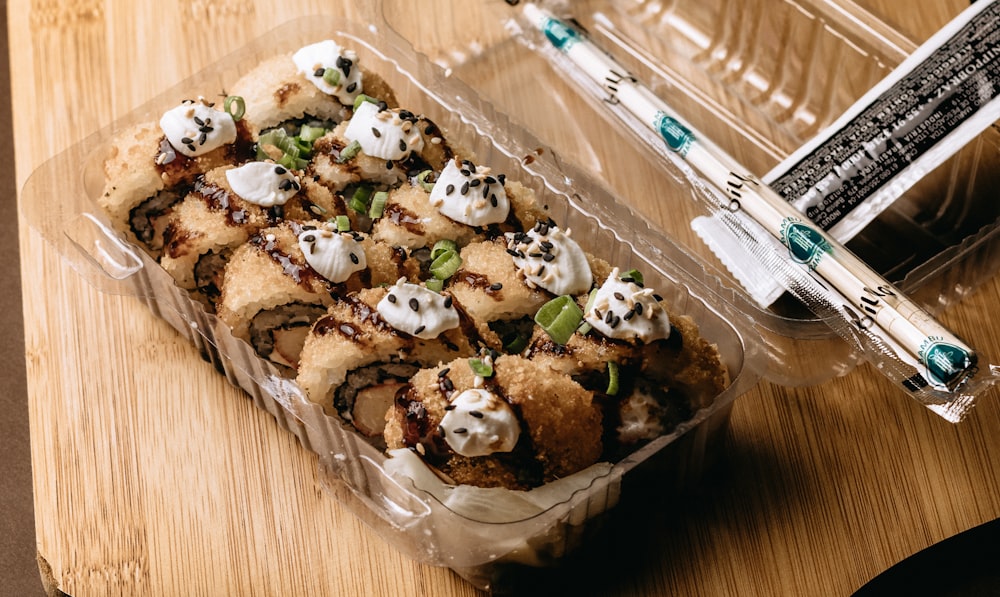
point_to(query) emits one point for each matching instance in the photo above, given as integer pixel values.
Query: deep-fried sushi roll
(506, 422)
(465, 203)
(320, 81)
(491, 288)
(378, 146)
(650, 369)
(369, 344)
(224, 208)
(152, 165)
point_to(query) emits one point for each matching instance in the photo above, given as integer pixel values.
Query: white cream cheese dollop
(195, 128)
(387, 134)
(470, 194)
(624, 311)
(313, 60)
(417, 311)
(334, 255)
(550, 259)
(263, 183)
(479, 423)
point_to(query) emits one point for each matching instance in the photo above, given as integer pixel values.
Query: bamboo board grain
(152, 476)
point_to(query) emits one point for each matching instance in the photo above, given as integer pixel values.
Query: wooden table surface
(152, 476)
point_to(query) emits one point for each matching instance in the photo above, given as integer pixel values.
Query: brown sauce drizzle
(400, 216)
(302, 274)
(219, 199)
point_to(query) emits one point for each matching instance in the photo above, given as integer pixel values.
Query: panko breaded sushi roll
(651, 370)
(368, 345)
(152, 165)
(320, 82)
(283, 279)
(379, 146)
(270, 295)
(490, 287)
(506, 422)
(224, 208)
(465, 203)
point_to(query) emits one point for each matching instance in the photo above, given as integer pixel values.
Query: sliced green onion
(612, 378)
(435, 285)
(559, 318)
(331, 76)
(445, 265)
(343, 224)
(378, 204)
(362, 98)
(481, 368)
(632, 275)
(443, 246)
(514, 343)
(311, 133)
(236, 111)
(347, 154)
(423, 182)
(360, 198)
(585, 327)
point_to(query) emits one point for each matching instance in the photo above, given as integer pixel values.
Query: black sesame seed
(512, 253)
(354, 259)
(391, 298)
(465, 172)
(319, 72)
(493, 201)
(489, 180)
(402, 145)
(619, 296)
(414, 304)
(441, 427)
(609, 317)
(448, 384)
(382, 106)
(352, 87)
(418, 330)
(461, 431)
(447, 302)
(191, 147)
(475, 182)
(309, 238)
(448, 190)
(496, 286)
(614, 322)
(629, 314)
(465, 189)
(502, 178)
(389, 165)
(638, 308)
(187, 140)
(657, 298)
(376, 132)
(546, 245)
(198, 121)
(444, 372)
(205, 129)
(279, 170)
(476, 413)
(548, 257)
(202, 138)
(450, 407)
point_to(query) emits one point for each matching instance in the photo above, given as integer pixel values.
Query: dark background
(18, 569)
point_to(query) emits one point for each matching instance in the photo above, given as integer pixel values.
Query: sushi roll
(507, 422)
(152, 165)
(368, 345)
(379, 146)
(224, 208)
(319, 82)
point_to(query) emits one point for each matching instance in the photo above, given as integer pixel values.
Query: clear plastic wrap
(60, 202)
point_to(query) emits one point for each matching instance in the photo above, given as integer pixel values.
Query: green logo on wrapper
(946, 364)
(561, 36)
(804, 243)
(678, 137)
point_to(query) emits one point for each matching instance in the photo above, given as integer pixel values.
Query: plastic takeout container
(759, 79)
(60, 201)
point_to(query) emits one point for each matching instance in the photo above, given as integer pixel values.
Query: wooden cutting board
(152, 476)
